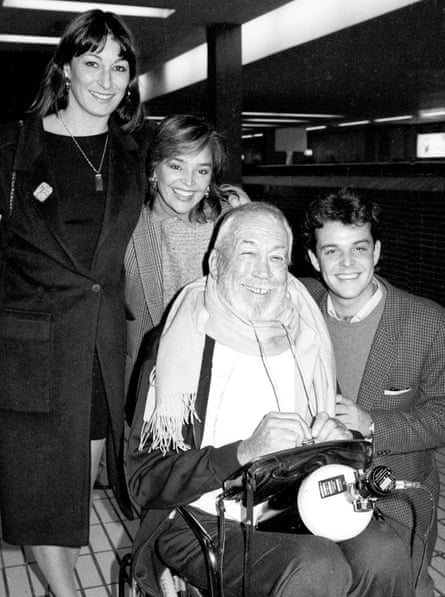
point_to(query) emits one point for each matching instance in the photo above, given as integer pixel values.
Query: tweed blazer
(403, 389)
(143, 288)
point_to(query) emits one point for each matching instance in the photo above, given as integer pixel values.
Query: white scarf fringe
(165, 429)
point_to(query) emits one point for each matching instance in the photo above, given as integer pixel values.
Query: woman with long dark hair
(72, 185)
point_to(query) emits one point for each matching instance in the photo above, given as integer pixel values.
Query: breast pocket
(25, 366)
(397, 397)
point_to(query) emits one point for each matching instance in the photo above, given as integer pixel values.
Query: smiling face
(346, 256)
(251, 267)
(183, 180)
(99, 81)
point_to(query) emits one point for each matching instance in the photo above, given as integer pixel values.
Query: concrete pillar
(225, 91)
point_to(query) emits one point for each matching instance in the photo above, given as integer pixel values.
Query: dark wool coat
(54, 314)
(403, 389)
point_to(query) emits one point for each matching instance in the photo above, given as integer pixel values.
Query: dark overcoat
(54, 314)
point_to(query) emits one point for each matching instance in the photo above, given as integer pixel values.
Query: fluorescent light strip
(290, 115)
(432, 113)
(252, 136)
(68, 6)
(393, 118)
(28, 39)
(356, 123)
(254, 125)
(277, 120)
(316, 128)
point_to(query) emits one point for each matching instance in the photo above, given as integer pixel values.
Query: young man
(227, 388)
(390, 353)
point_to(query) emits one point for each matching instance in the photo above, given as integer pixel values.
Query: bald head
(236, 218)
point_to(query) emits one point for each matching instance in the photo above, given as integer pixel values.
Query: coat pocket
(25, 363)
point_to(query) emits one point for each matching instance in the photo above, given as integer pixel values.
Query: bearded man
(244, 368)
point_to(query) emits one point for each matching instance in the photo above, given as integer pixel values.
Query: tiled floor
(98, 565)
(110, 539)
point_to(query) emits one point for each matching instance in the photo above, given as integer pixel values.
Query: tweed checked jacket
(403, 389)
(143, 292)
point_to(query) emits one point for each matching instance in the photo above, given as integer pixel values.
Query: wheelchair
(276, 479)
(171, 584)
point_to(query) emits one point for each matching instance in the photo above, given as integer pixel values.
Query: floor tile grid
(110, 539)
(98, 566)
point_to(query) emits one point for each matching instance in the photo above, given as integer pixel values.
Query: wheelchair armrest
(208, 547)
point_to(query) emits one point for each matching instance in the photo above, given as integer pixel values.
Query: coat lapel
(35, 180)
(124, 184)
(125, 181)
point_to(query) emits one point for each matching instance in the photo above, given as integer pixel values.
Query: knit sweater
(184, 249)
(352, 343)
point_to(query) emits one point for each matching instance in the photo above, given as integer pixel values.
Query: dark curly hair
(346, 207)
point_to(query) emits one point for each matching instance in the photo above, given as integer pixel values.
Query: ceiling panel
(386, 66)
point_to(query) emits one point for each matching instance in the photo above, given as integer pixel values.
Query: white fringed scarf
(199, 311)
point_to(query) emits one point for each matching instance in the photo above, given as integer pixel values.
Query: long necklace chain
(97, 171)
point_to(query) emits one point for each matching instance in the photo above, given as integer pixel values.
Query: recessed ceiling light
(68, 6)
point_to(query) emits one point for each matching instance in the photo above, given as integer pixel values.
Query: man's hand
(281, 431)
(276, 431)
(325, 428)
(352, 415)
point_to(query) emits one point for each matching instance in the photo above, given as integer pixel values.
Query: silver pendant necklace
(97, 171)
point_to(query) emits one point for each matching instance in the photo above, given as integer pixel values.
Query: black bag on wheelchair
(277, 478)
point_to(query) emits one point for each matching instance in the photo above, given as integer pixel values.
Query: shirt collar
(367, 308)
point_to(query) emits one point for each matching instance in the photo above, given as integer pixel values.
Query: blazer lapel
(382, 354)
(147, 246)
